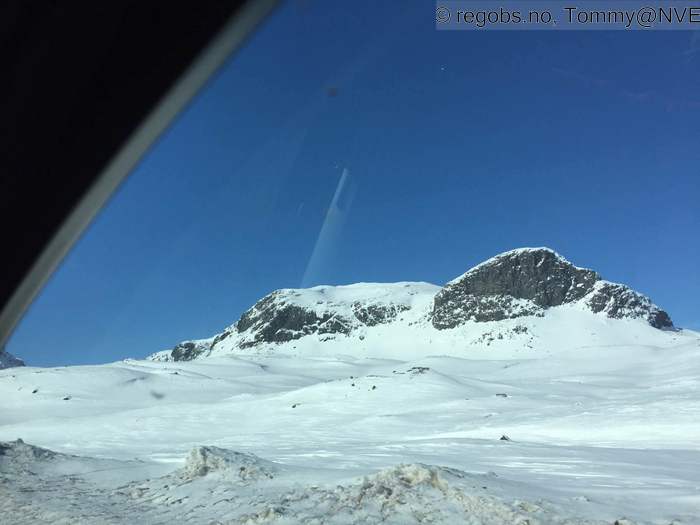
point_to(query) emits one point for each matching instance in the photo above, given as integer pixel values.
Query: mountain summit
(526, 298)
(527, 281)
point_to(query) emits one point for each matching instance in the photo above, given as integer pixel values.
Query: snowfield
(597, 434)
(527, 391)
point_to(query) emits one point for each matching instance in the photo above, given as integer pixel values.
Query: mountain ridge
(539, 278)
(499, 299)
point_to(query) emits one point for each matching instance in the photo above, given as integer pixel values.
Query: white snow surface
(602, 417)
(404, 293)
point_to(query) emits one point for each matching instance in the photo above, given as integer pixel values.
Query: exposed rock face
(289, 314)
(618, 302)
(7, 360)
(526, 282)
(188, 350)
(273, 319)
(184, 351)
(455, 307)
(374, 314)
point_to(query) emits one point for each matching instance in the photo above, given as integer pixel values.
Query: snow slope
(527, 391)
(596, 434)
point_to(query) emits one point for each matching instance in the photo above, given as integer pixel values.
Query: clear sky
(455, 146)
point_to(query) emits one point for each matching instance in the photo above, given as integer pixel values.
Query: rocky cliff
(528, 281)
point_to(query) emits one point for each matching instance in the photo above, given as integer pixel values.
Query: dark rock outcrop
(189, 350)
(278, 318)
(7, 360)
(273, 319)
(618, 302)
(374, 314)
(526, 282)
(453, 307)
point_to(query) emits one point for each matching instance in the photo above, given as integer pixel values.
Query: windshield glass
(384, 270)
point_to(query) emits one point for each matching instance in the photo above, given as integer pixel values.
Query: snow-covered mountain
(527, 390)
(529, 299)
(7, 360)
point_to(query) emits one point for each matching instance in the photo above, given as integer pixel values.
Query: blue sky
(456, 146)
